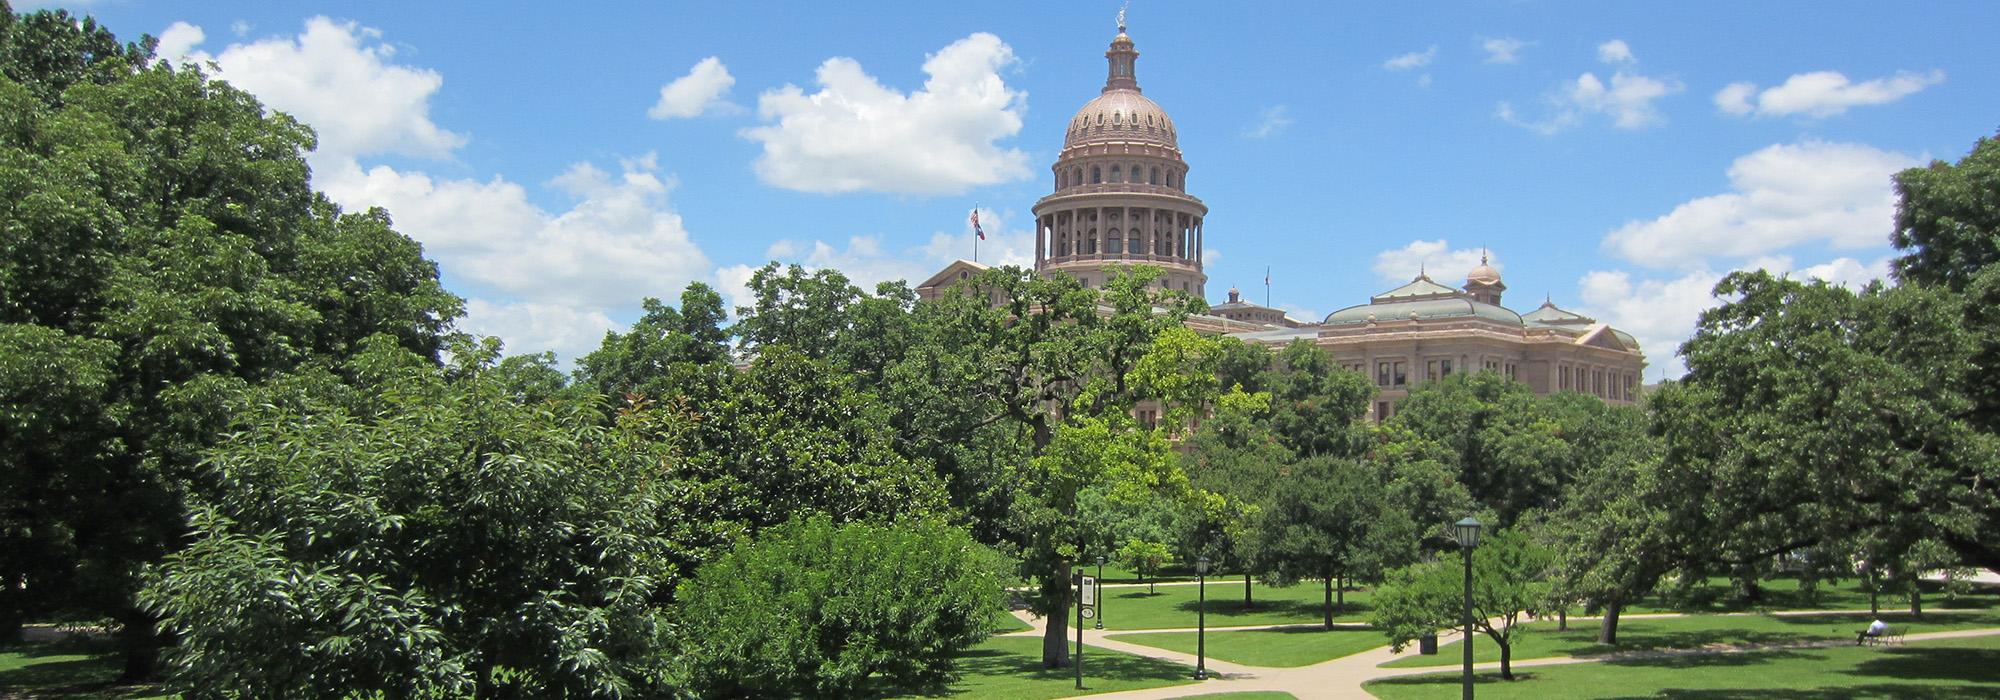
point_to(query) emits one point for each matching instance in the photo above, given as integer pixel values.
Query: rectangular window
(1564, 373)
(1431, 371)
(1381, 411)
(1382, 373)
(1400, 377)
(1510, 370)
(1446, 365)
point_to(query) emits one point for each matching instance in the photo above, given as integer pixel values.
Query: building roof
(1424, 308)
(1548, 314)
(1421, 287)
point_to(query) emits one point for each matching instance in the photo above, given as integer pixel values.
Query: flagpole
(975, 232)
(1267, 285)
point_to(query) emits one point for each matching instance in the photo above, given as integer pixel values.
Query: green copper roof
(1549, 315)
(1422, 286)
(1424, 309)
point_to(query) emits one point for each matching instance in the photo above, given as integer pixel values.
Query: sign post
(1079, 626)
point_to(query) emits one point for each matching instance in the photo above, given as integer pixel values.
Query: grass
(1175, 606)
(73, 671)
(1009, 623)
(1011, 668)
(1285, 648)
(1784, 593)
(1953, 668)
(1542, 640)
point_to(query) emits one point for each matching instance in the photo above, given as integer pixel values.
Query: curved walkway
(1344, 676)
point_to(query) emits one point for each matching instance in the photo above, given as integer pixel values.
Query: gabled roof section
(1551, 315)
(1420, 288)
(957, 270)
(1604, 336)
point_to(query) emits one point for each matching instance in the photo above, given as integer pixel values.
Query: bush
(816, 610)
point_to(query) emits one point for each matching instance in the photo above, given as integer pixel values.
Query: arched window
(1076, 177)
(1114, 244)
(1089, 246)
(1096, 175)
(1117, 174)
(1154, 178)
(1059, 179)
(1135, 245)
(1170, 178)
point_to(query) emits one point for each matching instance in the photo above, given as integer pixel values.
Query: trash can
(1427, 644)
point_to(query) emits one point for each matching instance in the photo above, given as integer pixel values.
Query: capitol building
(1121, 198)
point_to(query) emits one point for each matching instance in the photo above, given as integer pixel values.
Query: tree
(1332, 520)
(1316, 405)
(1234, 457)
(1507, 582)
(443, 538)
(814, 609)
(1815, 415)
(1948, 219)
(161, 227)
(1505, 443)
(1059, 366)
(1145, 558)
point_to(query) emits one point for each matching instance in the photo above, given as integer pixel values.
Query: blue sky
(563, 163)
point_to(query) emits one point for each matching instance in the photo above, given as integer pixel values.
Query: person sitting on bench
(1875, 629)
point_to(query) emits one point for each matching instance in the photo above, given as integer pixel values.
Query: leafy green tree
(814, 609)
(1235, 458)
(1332, 520)
(669, 352)
(431, 535)
(1508, 572)
(1814, 415)
(1948, 219)
(1145, 558)
(170, 217)
(1506, 445)
(1057, 369)
(1317, 406)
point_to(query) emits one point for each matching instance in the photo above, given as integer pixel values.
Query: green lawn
(1009, 623)
(1011, 668)
(1289, 647)
(70, 671)
(1716, 595)
(1175, 606)
(1954, 668)
(1542, 640)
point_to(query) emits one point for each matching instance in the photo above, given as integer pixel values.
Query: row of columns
(1062, 234)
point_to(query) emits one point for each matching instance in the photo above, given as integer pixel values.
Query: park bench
(1890, 636)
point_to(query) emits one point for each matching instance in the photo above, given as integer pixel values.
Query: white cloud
(1661, 313)
(699, 92)
(1414, 59)
(1615, 51)
(339, 78)
(240, 28)
(1627, 99)
(1821, 94)
(1781, 196)
(1503, 49)
(855, 134)
(533, 327)
(178, 39)
(1272, 121)
(1435, 258)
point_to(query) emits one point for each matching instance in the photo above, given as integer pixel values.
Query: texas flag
(975, 226)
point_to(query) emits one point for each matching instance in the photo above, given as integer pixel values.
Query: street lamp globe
(1201, 564)
(1100, 560)
(1467, 532)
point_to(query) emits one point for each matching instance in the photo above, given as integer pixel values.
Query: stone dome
(1122, 115)
(1484, 274)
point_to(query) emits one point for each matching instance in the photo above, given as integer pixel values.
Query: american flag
(975, 226)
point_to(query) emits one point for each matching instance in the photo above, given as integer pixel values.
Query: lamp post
(1201, 622)
(1467, 532)
(1079, 626)
(1100, 591)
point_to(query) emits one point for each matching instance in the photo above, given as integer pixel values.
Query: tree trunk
(139, 638)
(1607, 633)
(1328, 606)
(1916, 599)
(1874, 590)
(1562, 619)
(1246, 590)
(1055, 641)
(1506, 658)
(1340, 594)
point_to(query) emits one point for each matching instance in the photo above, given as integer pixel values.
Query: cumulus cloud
(1436, 258)
(1781, 196)
(1615, 51)
(1661, 312)
(1821, 94)
(699, 92)
(528, 327)
(1503, 49)
(340, 78)
(868, 259)
(1272, 121)
(178, 39)
(855, 134)
(1626, 98)
(1412, 60)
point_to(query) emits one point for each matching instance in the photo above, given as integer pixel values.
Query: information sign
(1089, 590)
